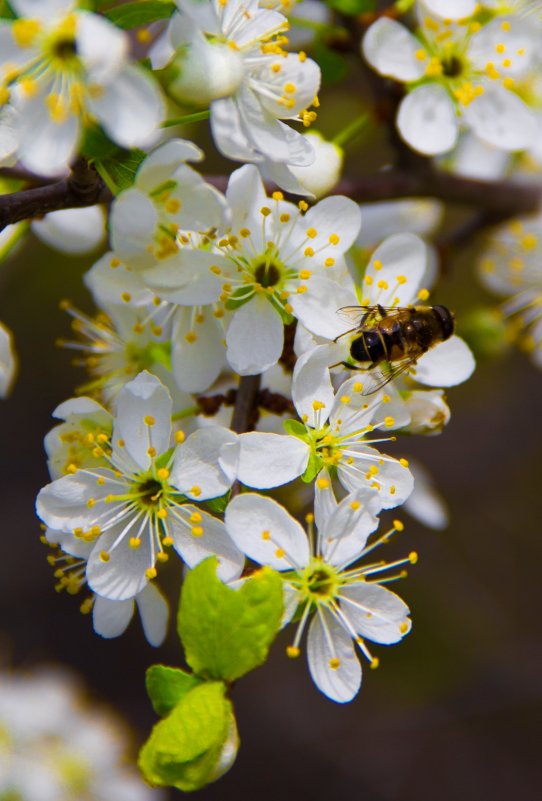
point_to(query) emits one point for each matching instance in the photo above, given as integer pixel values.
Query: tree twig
(246, 407)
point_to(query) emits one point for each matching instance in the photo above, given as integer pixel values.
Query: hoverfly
(390, 339)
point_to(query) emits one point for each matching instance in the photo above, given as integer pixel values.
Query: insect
(390, 339)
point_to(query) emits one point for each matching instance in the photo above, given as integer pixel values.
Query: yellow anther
(144, 35)
(403, 628)
(317, 405)
(334, 239)
(358, 386)
(312, 233)
(401, 279)
(392, 490)
(389, 421)
(126, 297)
(292, 651)
(280, 553)
(322, 483)
(173, 206)
(163, 473)
(289, 88)
(104, 556)
(29, 87)
(24, 31)
(277, 196)
(500, 47)
(505, 26)
(265, 211)
(403, 462)
(377, 264)
(329, 262)
(423, 294)
(149, 420)
(303, 205)
(161, 514)
(334, 663)
(507, 62)
(421, 55)
(374, 663)
(413, 557)
(355, 505)
(162, 557)
(305, 275)
(302, 56)
(309, 517)
(382, 284)
(191, 337)
(195, 490)
(100, 481)
(151, 452)
(398, 525)
(276, 67)
(167, 541)
(151, 573)
(197, 531)
(308, 252)
(345, 398)
(301, 289)
(135, 543)
(244, 232)
(200, 318)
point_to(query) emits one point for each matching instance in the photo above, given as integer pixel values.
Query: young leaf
(295, 428)
(166, 686)
(119, 170)
(186, 749)
(131, 15)
(218, 505)
(226, 633)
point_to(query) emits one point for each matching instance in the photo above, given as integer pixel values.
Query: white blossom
(8, 361)
(72, 231)
(316, 179)
(457, 77)
(63, 69)
(348, 603)
(142, 504)
(231, 55)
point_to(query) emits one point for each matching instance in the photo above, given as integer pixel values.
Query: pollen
(389, 421)
(375, 662)
(162, 557)
(303, 205)
(322, 483)
(24, 31)
(276, 67)
(423, 294)
(329, 262)
(500, 47)
(334, 663)
(398, 525)
(305, 275)
(197, 531)
(308, 252)
(401, 279)
(151, 573)
(413, 558)
(195, 517)
(167, 541)
(161, 514)
(345, 398)
(292, 651)
(151, 452)
(309, 518)
(317, 405)
(334, 239)
(266, 535)
(162, 473)
(148, 420)
(312, 233)
(280, 553)
(195, 490)
(135, 543)
(377, 264)
(421, 55)
(301, 289)
(382, 284)
(191, 337)
(104, 556)
(355, 505)
(368, 280)
(265, 211)
(277, 196)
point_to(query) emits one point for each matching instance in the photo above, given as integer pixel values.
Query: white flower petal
(154, 611)
(197, 463)
(425, 504)
(390, 48)
(41, 9)
(265, 532)
(130, 108)
(111, 282)
(375, 612)
(403, 260)
(133, 222)
(111, 618)
(196, 363)
(318, 308)
(519, 39)
(51, 152)
(345, 533)
(186, 278)
(312, 380)
(379, 220)
(270, 460)
(427, 120)
(9, 138)
(334, 216)
(502, 119)
(123, 575)
(327, 642)
(255, 337)
(101, 46)
(451, 9)
(8, 362)
(212, 539)
(228, 132)
(143, 420)
(449, 363)
(72, 231)
(160, 165)
(62, 505)
(393, 482)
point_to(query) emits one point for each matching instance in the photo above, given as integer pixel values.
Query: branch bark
(246, 405)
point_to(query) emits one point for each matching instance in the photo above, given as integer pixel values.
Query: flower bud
(205, 73)
(325, 171)
(429, 412)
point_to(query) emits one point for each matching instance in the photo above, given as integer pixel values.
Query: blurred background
(454, 711)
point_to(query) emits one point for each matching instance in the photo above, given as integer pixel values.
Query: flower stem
(198, 116)
(245, 404)
(352, 130)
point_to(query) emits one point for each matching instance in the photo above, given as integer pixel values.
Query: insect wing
(384, 374)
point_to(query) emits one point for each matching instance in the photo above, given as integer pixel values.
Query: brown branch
(246, 406)
(83, 187)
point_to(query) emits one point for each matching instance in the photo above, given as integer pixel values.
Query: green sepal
(352, 7)
(314, 466)
(119, 170)
(96, 144)
(6, 12)
(184, 749)
(227, 633)
(295, 429)
(167, 686)
(132, 15)
(238, 298)
(218, 505)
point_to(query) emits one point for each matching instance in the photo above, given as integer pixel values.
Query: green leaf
(295, 429)
(97, 145)
(352, 7)
(119, 171)
(132, 15)
(185, 749)
(226, 633)
(333, 65)
(218, 505)
(166, 686)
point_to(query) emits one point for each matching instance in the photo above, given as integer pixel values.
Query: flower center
(149, 492)
(65, 49)
(452, 66)
(319, 582)
(267, 274)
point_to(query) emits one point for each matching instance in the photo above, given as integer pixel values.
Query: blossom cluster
(256, 359)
